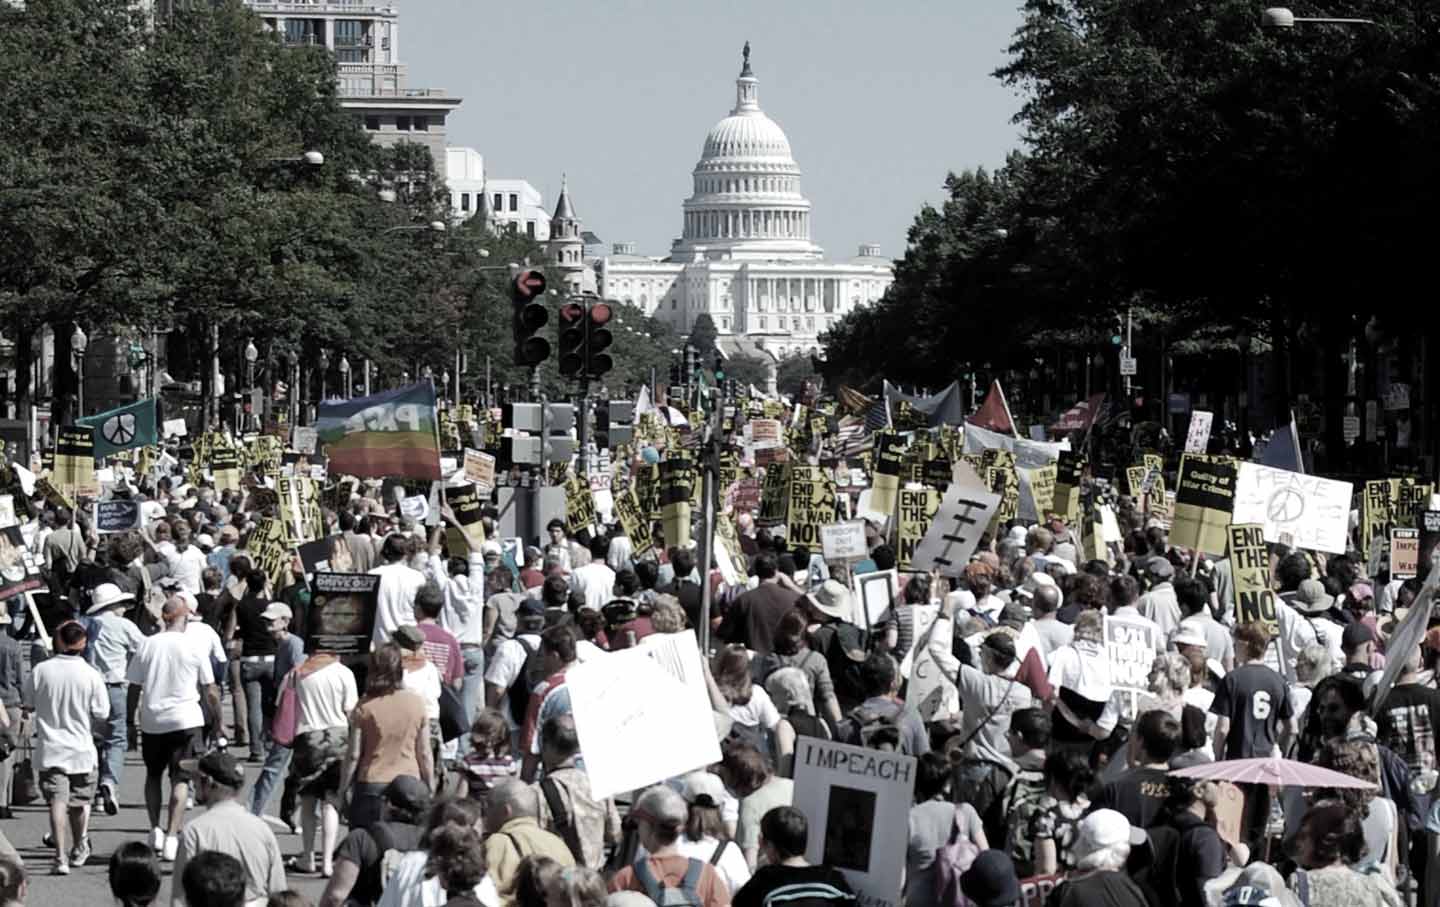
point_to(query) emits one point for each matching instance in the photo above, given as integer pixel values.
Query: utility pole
(709, 464)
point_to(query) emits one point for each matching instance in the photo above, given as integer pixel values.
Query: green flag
(123, 428)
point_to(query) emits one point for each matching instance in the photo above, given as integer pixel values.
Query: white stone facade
(745, 255)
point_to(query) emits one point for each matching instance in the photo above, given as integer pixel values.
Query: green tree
(793, 373)
(703, 336)
(747, 370)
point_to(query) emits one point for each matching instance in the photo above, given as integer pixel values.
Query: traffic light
(527, 294)
(572, 339)
(584, 337)
(718, 366)
(613, 420)
(1117, 336)
(598, 339)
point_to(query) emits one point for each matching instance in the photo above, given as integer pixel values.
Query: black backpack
(874, 728)
(531, 673)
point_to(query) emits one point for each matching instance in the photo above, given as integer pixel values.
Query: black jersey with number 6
(1255, 700)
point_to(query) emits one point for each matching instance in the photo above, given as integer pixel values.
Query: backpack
(531, 673)
(951, 861)
(874, 728)
(390, 852)
(687, 895)
(1021, 802)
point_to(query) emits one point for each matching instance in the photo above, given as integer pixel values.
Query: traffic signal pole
(583, 466)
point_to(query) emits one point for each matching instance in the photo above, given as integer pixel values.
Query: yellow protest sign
(580, 513)
(1250, 566)
(812, 505)
(917, 508)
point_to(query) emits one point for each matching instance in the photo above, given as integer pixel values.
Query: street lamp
(78, 342)
(435, 226)
(309, 159)
(1280, 17)
(324, 367)
(251, 354)
(345, 375)
(445, 379)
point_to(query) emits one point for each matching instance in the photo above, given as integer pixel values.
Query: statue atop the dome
(745, 70)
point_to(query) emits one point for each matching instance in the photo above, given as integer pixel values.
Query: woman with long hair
(789, 690)
(1055, 823)
(1328, 847)
(425, 877)
(326, 696)
(389, 737)
(793, 651)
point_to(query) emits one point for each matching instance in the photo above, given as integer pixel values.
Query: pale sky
(879, 100)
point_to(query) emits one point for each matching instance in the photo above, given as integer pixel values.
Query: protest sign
(929, 690)
(766, 433)
(1198, 437)
(7, 510)
(1037, 492)
(1135, 481)
(174, 428)
(74, 469)
(579, 506)
(300, 506)
(1315, 512)
(117, 515)
(1374, 511)
(854, 799)
(812, 505)
(1132, 647)
(480, 469)
(303, 438)
(729, 556)
(342, 613)
(466, 503)
(889, 460)
(1250, 568)
(875, 593)
(1411, 498)
(331, 554)
(127, 427)
(634, 521)
(643, 714)
(677, 485)
(18, 571)
(917, 508)
(844, 541)
(774, 496)
(225, 469)
(1035, 891)
(269, 548)
(394, 433)
(1068, 470)
(1404, 553)
(965, 512)
(1109, 526)
(1204, 496)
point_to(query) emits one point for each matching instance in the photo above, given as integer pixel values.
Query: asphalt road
(87, 885)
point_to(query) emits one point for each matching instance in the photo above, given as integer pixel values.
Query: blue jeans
(113, 737)
(472, 688)
(259, 681)
(277, 764)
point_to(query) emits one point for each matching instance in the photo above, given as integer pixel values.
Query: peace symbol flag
(123, 428)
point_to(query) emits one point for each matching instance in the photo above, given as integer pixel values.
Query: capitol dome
(746, 200)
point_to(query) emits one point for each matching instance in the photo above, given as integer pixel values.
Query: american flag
(877, 417)
(851, 439)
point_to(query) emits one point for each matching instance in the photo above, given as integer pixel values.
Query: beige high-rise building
(365, 39)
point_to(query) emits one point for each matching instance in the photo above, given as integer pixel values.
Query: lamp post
(251, 354)
(78, 343)
(1280, 17)
(345, 376)
(324, 369)
(445, 380)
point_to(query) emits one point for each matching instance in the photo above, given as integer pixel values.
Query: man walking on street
(227, 828)
(68, 695)
(12, 693)
(117, 639)
(171, 671)
(289, 652)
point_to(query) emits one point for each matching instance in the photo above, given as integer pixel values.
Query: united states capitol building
(745, 255)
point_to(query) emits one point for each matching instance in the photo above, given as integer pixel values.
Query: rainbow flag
(394, 434)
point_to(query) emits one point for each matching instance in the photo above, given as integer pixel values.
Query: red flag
(1080, 416)
(994, 413)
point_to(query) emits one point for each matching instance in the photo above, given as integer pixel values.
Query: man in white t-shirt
(69, 695)
(595, 580)
(507, 666)
(170, 670)
(399, 582)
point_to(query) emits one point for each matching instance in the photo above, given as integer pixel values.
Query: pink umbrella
(1276, 771)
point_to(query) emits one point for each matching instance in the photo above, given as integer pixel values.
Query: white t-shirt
(596, 582)
(188, 565)
(326, 698)
(424, 682)
(408, 886)
(170, 669)
(758, 712)
(395, 606)
(68, 694)
(205, 639)
(509, 661)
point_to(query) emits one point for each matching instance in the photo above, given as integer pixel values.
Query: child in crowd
(489, 761)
